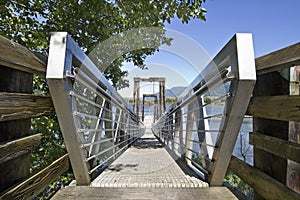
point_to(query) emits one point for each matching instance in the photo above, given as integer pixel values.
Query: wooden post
(268, 85)
(14, 170)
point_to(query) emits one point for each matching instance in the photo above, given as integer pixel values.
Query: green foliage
(170, 100)
(40, 85)
(207, 99)
(30, 22)
(238, 183)
(52, 146)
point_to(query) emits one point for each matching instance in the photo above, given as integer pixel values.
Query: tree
(29, 22)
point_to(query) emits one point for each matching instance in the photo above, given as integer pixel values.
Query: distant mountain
(175, 91)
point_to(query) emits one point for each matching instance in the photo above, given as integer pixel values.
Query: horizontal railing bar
(101, 141)
(201, 131)
(226, 96)
(105, 161)
(103, 129)
(199, 155)
(127, 110)
(193, 151)
(115, 113)
(106, 150)
(210, 84)
(76, 113)
(84, 78)
(202, 169)
(202, 143)
(74, 94)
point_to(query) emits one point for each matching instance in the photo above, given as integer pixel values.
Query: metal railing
(96, 123)
(202, 126)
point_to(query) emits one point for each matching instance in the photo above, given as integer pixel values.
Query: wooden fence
(275, 107)
(18, 105)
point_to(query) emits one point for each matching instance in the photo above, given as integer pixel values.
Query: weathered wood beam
(35, 184)
(282, 148)
(16, 56)
(14, 149)
(278, 60)
(263, 184)
(15, 106)
(281, 107)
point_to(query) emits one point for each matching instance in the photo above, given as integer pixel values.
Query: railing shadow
(148, 143)
(120, 167)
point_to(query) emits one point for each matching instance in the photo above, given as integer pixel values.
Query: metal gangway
(100, 129)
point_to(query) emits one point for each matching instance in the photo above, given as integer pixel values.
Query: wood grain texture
(91, 193)
(21, 106)
(281, 107)
(18, 169)
(282, 148)
(263, 184)
(16, 56)
(278, 60)
(14, 149)
(271, 84)
(32, 186)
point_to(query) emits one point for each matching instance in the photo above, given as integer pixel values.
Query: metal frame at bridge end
(239, 53)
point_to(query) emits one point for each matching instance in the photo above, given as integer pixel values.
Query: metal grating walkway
(147, 164)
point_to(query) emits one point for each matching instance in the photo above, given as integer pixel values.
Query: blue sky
(274, 24)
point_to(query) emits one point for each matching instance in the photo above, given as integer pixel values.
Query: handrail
(186, 127)
(96, 122)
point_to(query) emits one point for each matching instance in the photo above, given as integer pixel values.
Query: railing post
(116, 129)
(96, 137)
(178, 131)
(108, 124)
(60, 61)
(172, 131)
(199, 115)
(242, 64)
(189, 132)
